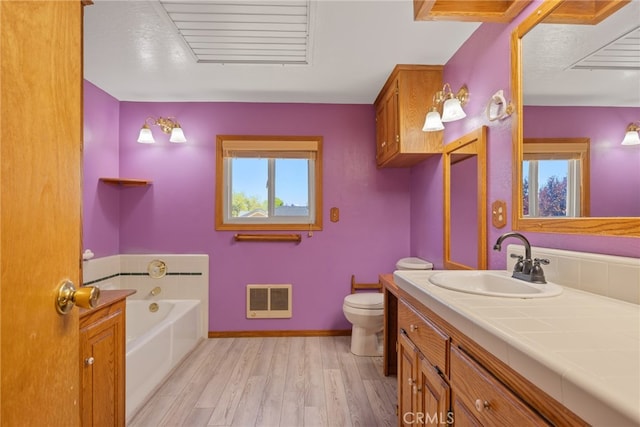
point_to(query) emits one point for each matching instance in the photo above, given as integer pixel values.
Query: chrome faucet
(155, 291)
(525, 269)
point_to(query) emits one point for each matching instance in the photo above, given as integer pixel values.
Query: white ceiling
(133, 52)
(551, 52)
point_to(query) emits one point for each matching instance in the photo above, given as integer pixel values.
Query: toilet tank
(413, 263)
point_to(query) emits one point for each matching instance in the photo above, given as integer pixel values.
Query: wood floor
(288, 382)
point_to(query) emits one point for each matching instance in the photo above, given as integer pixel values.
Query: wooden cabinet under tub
(102, 360)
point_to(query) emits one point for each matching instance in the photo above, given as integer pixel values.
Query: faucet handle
(519, 266)
(542, 261)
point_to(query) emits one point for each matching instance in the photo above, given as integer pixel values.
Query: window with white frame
(268, 183)
(554, 172)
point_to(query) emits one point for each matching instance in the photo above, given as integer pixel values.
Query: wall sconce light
(451, 108)
(632, 137)
(169, 125)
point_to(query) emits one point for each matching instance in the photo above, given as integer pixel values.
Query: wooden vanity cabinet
(444, 377)
(423, 391)
(102, 361)
(401, 108)
(478, 398)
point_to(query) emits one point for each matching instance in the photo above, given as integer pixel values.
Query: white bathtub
(156, 343)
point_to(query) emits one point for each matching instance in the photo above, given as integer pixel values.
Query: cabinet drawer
(483, 396)
(431, 342)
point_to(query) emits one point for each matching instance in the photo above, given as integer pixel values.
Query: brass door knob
(68, 296)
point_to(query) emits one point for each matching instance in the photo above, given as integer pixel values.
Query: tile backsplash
(607, 275)
(187, 277)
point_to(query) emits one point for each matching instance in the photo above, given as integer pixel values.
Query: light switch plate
(334, 214)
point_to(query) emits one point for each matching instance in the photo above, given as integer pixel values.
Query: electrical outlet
(499, 213)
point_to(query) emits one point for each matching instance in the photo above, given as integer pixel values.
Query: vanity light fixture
(632, 137)
(168, 125)
(451, 107)
(433, 122)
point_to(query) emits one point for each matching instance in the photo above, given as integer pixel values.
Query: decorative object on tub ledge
(632, 137)
(157, 269)
(168, 125)
(451, 108)
(242, 237)
(498, 108)
(87, 255)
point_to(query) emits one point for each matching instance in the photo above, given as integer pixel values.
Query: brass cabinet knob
(481, 405)
(89, 361)
(68, 296)
(413, 328)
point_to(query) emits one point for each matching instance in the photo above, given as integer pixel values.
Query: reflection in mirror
(558, 168)
(562, 91)
(465, 202)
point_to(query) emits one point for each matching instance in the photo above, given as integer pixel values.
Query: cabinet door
(387, 136)
(407, 380)
(381, 133)
(477, 392)
(102, 367)
(392, 114)
(433, 395)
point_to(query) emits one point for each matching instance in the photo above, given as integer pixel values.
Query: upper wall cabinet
(470, 11)
(401, 108)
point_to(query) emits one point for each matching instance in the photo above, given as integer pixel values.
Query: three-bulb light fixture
(632, 137)
(451, 108)
(168, 125)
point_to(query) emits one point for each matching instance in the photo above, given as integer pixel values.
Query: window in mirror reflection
(553, 183)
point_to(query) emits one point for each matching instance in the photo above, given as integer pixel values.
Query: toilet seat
(365, 300)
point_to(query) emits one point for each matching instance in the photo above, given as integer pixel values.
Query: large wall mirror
(465, 202)
(577, 78)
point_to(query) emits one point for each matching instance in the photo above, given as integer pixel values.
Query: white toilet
(365, 311)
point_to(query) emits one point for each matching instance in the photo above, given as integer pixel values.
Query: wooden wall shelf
(126, 182)
(241, 237)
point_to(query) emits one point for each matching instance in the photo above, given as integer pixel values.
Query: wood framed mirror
(465, 202)
(536, 94)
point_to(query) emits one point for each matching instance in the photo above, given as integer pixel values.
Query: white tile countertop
(582, 349)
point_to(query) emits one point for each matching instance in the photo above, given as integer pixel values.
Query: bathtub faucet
(155, 291)
(525, 269)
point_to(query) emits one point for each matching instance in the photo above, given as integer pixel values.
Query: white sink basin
(493, 283)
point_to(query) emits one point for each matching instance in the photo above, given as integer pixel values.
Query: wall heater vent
(268, 301)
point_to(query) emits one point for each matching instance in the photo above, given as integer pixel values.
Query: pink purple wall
(101, 217)
(384, 214)
(483, 64)
(464, 207)
(615, 168)
(176, 213)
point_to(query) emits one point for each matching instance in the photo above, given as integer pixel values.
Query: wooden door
(393, 129)
(102, 366)
(40, 218)
(434, 395)
(407, 379)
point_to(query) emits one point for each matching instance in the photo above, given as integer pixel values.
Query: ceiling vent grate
(258, 32)
(620, 54)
